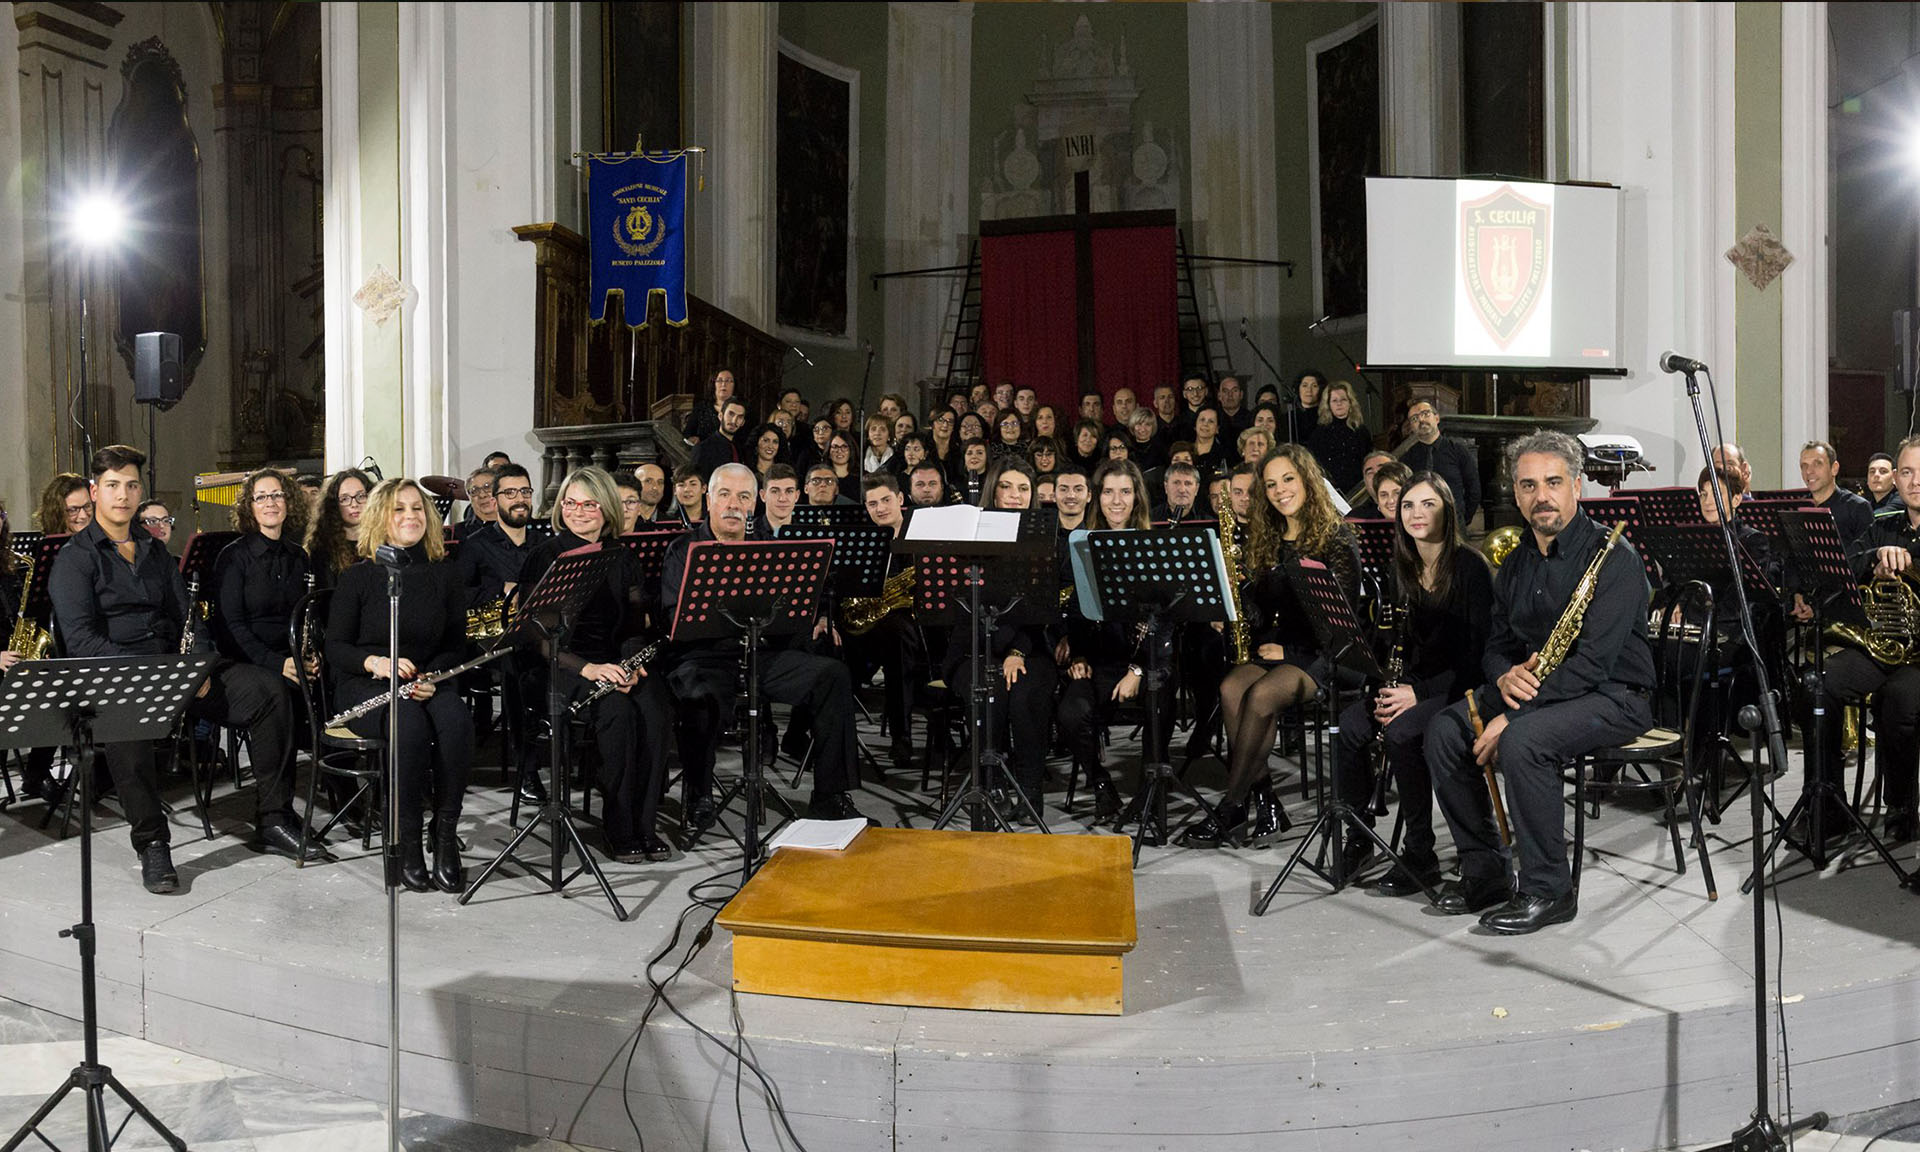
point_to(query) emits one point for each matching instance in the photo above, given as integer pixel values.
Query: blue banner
(637, 213)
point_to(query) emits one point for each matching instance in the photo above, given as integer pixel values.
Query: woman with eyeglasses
(812, 449)
(435, 755)
(66, 505)
(153, 518)
(629, 502)
(1011, 435)
(630, 724)
(704, 419)
(840, 457)
(334, 536)
(260, 577)
(943, 441)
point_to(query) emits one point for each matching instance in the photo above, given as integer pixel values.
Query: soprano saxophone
(1567, 628)
(1239, 632)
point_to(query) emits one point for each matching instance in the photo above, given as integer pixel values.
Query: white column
(1420, 78)
(1230, 89)
(425, 31)
(340, 134)
(929, 97)
(1651, 109)
(731, 64)
(1803, 228)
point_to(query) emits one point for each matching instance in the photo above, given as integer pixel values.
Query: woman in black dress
(1339, 439)
(334, 536)
(435, 753)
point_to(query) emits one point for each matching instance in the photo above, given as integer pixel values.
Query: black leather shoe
(448, 873)
(1472, 894)
(49, 791)
(837, 806)
(532, 789)
(413, 863)
(700, 818)
(156, 869)
(1106, 801)
(1356, 854)
(284, 840)
(1266, 822)
(1213, 831)
(1901, 825)
(1407, 876)
(1527, 913)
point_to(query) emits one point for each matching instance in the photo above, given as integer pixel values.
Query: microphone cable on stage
(711, 894)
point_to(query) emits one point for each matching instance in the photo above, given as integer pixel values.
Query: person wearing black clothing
(1147, 441)
(630, 724)
(704, 420)
(1445, 590)
(1106, 661)
(704, 678)
(117, 594)
(259, 578)
(1820, 470)
(1339, 440)
(434, 757)
(1231, 399)
(720, 447)
(1454, 461)
(1596, 698)
(969, 485)
(333, 535)
(1184, 502)
(1882, 492)
(1889, 547)
(1021, 656)
(493, 556)
(894, 644)
(1295, 519)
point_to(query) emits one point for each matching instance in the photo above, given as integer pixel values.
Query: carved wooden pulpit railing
(612, 395)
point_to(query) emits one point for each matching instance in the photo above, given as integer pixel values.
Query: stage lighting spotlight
(97, 220)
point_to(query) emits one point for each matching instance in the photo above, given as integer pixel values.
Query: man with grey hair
(703, 676)
(1595, 698)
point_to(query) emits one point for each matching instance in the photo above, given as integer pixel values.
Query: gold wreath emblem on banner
(636, 233)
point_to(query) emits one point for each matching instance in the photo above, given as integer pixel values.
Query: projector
(1612, 457)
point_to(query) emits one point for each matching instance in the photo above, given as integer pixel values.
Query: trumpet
(864, 613)
(30, 640)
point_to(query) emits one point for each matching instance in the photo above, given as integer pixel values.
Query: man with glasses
(1454, 461)
(115, 594)
(492, 556)
(154, 519)
(480, 503)
(823, 486)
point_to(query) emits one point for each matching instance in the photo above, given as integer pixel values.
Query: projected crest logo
(1503, 256)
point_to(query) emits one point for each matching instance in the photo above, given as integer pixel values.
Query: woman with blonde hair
(630, 723)
(1340, 440)
(434, 757)
(1292, 518)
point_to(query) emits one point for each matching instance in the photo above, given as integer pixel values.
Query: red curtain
(1136, 333)
(1030, 315)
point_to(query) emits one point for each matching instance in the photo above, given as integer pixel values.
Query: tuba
(864, 613)
(30, 640)
(1893, 622)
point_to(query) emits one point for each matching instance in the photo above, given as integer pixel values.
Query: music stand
(546, 613)
(1813, 540)
(649, 547)
(112, 700)
(196, 563)
(1666, 506)
(860, 554)
(838, 515)
(1339, 632)
(1375, 540)
(24, 543)
(751, 590)
(1146, 578)
(1024, 583)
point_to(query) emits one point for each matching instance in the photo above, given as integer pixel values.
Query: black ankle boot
(1106, 799)
(413, 860)
(448, 874)
(1266, 822)
(1215, 829)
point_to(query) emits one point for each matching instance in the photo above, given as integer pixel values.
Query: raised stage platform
(1346, 1021)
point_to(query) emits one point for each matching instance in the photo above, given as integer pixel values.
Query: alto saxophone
(864, 613)
(1239, 632)
(30, 640)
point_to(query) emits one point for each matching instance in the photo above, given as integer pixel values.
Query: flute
(406, 690)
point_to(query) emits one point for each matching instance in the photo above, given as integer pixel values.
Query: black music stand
(1021, 585)
(838, 515)
(546, 614)
(1666, 506)
(110, 700)
(196, 563)
(1375, 540)
(649, 547)
(860, 553)
(1339, 632)
(35, 604)
(750, 590)
(1813, 541)
(1147, 579)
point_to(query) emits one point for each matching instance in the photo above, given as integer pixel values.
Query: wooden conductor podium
(999, 921)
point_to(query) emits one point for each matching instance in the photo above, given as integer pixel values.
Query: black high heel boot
(413, 860)
(1267, 821)
(1216, 829)
(448, 873)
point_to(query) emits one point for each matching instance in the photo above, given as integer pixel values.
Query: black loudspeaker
(1906, 349)
(156, 368)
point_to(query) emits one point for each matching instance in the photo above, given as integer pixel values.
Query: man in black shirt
(492, 555)
(1596, 698)
(1820, 470)
(1183, 504)
(1889, 547)
(713, 451)
(116, 594)
(1454, 461)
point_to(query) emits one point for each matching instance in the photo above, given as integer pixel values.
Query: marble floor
(214, 1107)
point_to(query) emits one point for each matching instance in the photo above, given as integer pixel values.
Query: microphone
(802, 355)
(391, 556)
(1315, 326)
(1674, 362)
(1243, 327)
(869, 351)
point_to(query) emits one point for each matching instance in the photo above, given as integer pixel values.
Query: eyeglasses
(156, 521)
(630, 502)
(580, 505)
(266, 498)
(74, 511)
(478, 490)
(514, 493)
(353, 501)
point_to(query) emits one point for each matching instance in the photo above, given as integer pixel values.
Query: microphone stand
(1761, 1133)
(865, 375)
(1352, 363)
(1288, 400)
(393, 559)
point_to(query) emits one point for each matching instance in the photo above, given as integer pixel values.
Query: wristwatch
(1134, 670)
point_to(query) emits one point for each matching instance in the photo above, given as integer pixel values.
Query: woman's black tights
(1252, 698)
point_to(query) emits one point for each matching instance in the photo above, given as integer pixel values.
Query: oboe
(628, 666)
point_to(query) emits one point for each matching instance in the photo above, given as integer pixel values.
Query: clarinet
(1396, 628)
(629, 665)
(186, 619)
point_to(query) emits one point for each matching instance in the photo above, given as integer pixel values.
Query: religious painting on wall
(815, 158)
(1344, 149)
(640, 74)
